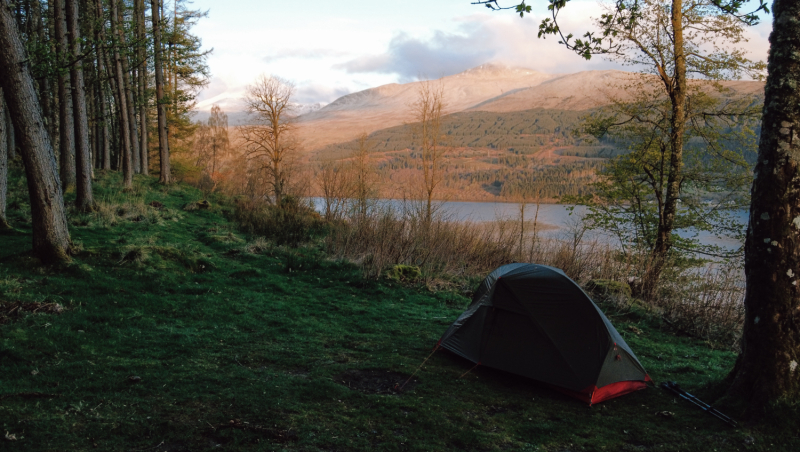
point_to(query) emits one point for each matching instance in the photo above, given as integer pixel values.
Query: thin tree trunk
(767, 368)
(45, 88)
(676, 89)
(102, 74)
(128, 88)
(3, 166)
(143, 144)
(115, 117)
(84, 200)
(163, 141)
(54, 123)
(65, 120)
(122, 107)
(51, 240)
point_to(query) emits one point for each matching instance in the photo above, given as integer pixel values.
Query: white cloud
(329, 54)
(284, 54)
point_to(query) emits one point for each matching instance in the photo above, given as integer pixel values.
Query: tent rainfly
(534, 321)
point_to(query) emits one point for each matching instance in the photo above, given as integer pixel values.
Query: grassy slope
(234, 350)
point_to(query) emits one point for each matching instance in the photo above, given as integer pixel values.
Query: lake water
(555, 218)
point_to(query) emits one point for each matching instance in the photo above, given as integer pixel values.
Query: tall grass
(708, 304)
(446, 248)
(703, 303)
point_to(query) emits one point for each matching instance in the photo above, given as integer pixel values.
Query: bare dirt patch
(377, 381)
(12, 310)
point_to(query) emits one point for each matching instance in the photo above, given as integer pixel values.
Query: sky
(330, 48)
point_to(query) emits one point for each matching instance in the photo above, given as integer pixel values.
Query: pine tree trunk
(122, 108)
(128, 88)
(45, 91)
(102, 74)
(84, 200)
(10, 141)
(51, 240)
(163, 141)
(143, 144)
(53, 122)
(65, 118)
(767, 368)
(3, 166)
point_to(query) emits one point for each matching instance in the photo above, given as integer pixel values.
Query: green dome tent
(534, 321)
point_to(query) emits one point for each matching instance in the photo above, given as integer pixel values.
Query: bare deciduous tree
(428, 111)
(269, 138)
(333, 182)
(362, 176)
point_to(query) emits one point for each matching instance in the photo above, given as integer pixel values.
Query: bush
(290, 223)
(402, 272)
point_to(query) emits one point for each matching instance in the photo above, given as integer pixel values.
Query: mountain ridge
(490, 87)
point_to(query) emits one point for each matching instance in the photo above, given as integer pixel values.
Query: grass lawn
(178, 336)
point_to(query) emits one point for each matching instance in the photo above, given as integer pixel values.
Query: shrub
(402, 272)
(290, 223)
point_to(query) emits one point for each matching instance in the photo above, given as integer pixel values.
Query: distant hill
(494, 155)
(486, 88)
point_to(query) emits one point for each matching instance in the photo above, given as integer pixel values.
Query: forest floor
(171, 331)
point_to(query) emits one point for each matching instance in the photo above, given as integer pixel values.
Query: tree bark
(767, 368)
(143, 144)
(676, 88)
(102, 74)
(84, 200)
(128, 88)
(3, 166)
(10, 138)
(163, 139)
(45, 88)
(65, 120)
(51, 240)
(124, 123)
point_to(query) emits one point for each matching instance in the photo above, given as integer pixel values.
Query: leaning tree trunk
(767, 368)
(51, 240)
(3, 166)
(65, 120)
(84, 200)
(163, 141)
(124, 118)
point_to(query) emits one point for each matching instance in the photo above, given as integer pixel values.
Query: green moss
(401, 272)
